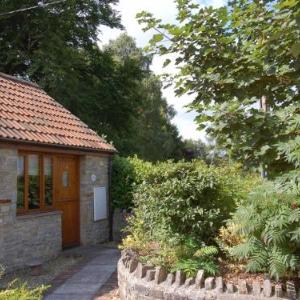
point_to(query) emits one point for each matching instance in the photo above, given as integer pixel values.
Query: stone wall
(92, 232)
(23, 238)
(8, 184)
(38, 236)
(30, 237)
(140, 282)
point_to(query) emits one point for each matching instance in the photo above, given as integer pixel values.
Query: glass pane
(34, 182)
(65, 179)
(21, 181)
(48, 181)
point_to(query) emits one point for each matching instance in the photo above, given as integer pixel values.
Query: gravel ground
(51, 269)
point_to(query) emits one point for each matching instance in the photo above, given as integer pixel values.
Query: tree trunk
(263, 103)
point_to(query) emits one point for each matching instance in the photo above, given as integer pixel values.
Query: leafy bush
(122, 182)
(289, 148)
(264, 232)
(180, 200)
(186, 256)
(269, 223)
(127, 173)
(179, 209)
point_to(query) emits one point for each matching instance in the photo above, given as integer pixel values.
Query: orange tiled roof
(28, 114)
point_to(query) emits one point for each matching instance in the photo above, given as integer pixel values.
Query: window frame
(43, 207)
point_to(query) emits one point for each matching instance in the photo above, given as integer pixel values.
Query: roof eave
(58, 146)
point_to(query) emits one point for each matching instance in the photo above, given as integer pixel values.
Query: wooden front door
(67, 198)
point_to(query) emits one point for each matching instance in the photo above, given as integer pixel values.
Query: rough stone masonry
(137, 281)
(31, 237)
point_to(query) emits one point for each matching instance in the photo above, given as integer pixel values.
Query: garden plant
(241, 63)
(178, 210)
(20, 291)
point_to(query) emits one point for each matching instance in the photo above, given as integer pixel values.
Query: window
(65, 179)
(21, 181)
(48, 179)
(35, 182)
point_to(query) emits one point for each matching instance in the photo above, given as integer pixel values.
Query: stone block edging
(141, 282)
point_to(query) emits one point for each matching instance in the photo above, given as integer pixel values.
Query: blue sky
(165, 10)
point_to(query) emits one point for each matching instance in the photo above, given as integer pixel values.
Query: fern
(244, 250)
(206, 251)
(203, 258)
(273, 213)
(277, 264)
(191, 266)
(269, 222)
(295, 235)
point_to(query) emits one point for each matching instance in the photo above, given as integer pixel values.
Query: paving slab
(77, 288)
(87, 276)
(87, 281)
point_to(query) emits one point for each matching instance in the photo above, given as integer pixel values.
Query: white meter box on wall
(100, 203)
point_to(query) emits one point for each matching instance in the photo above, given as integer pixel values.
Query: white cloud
(214, 3)
(165, 10)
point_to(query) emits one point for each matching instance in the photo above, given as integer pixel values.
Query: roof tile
(27, 113)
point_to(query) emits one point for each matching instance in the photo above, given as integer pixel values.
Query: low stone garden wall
(141, 282)
(30, 238)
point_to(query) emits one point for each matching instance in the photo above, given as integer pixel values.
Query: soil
(232, 273)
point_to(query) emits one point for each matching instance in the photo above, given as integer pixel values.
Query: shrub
(179, 209)
(127, 173)
(123, 177)
(269, 224)
(179, 200)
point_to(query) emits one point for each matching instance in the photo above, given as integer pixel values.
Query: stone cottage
(54, 177)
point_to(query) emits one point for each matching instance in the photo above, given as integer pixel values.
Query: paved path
(85, 284)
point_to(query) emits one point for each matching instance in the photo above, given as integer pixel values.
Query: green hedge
(178, 209)
(188, 199)
(127, 173)
(179, 199)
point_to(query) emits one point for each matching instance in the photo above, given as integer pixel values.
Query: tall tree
(45, 39)
(196, 149)
(151, 134)
(47, 44)
(230, 58)
(111, 89)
